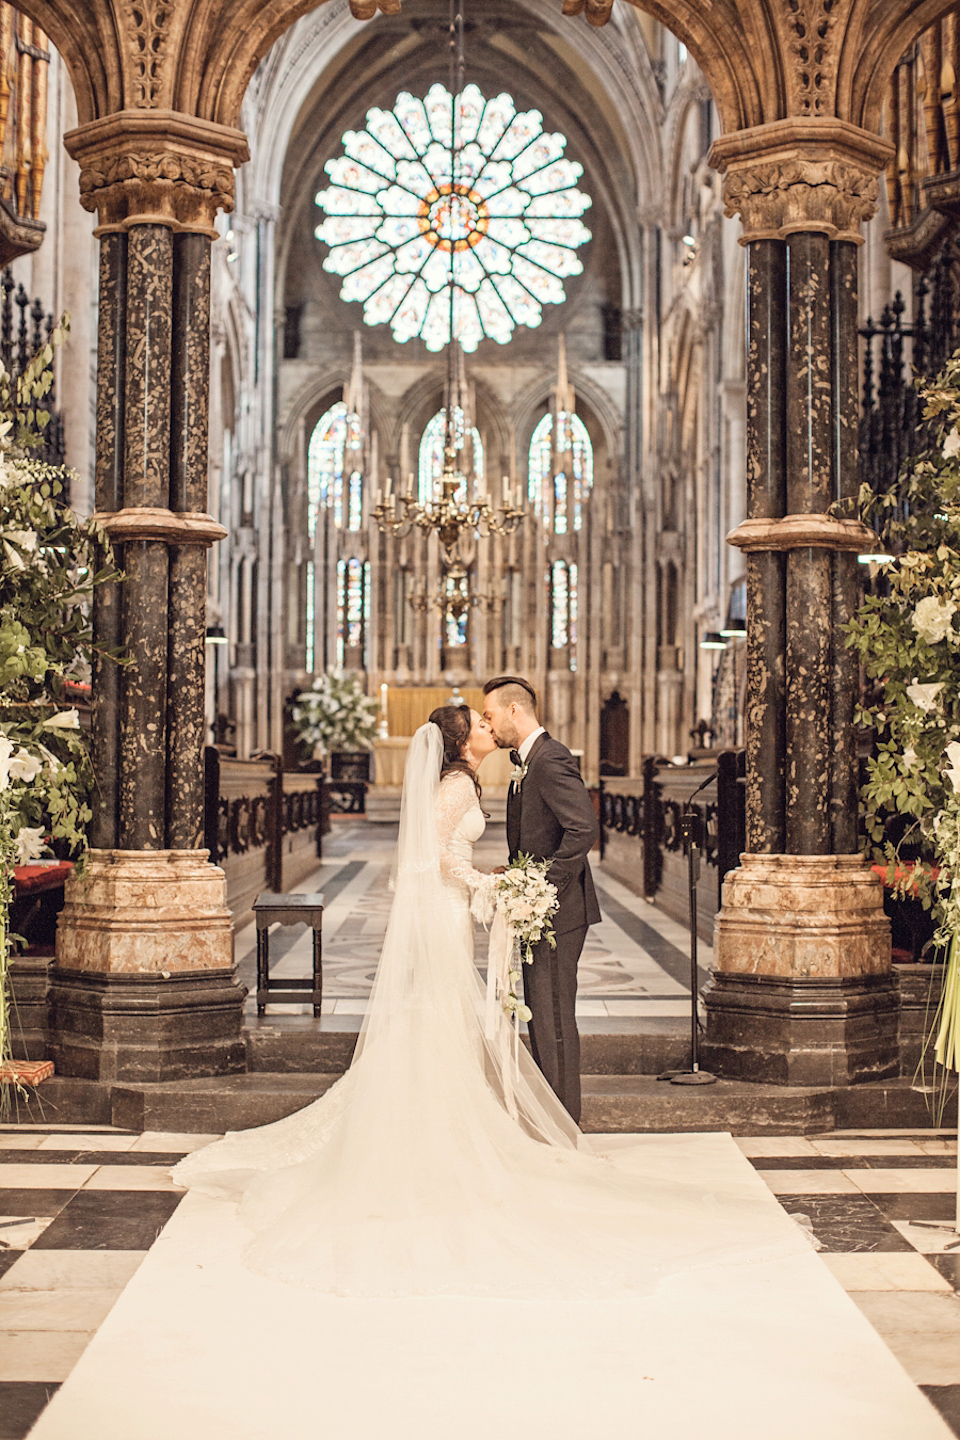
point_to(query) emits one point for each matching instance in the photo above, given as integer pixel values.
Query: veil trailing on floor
(410, 1175)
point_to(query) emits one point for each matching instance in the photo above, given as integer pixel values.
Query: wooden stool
(273, 909)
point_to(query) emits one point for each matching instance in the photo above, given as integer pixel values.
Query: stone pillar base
(29, 989)
(144, 983)
(804, 992)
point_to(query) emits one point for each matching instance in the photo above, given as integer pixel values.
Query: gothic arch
(529, 401)
(312, 398)
(197, 58)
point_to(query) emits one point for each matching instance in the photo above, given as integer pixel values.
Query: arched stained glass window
(564, 608)
(431, 452)
(335, 470)
(467, 183)
(559, 480)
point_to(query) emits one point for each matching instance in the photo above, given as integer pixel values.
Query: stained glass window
(458, 608)
(496, 200)
(431, 452)
(564, 609)
(310, 619)
(353, 607)
(558, 494)
(334, 470)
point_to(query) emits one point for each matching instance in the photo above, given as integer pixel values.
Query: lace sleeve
(455, 798)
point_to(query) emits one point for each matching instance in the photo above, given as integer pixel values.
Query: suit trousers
(550, 989)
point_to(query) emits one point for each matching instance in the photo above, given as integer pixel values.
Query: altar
(390, 756)
(410, 707)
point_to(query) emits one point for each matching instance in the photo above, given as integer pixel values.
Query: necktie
(515, 757)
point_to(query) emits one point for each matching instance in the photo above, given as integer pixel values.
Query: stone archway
(144, 983)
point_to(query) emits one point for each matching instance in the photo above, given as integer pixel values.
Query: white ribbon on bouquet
(500, 956)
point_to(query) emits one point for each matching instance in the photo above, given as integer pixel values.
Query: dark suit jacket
(552, 818)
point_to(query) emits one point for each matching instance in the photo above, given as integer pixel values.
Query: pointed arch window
(560, 471)
(335, 470)
(564, 609)
(431, 452)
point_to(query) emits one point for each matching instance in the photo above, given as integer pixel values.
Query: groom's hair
(516, 691)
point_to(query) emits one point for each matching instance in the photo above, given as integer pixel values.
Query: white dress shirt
(524, 749)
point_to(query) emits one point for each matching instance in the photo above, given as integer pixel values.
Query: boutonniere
(517, 774)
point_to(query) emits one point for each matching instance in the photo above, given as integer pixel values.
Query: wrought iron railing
(641, 837)
(897, 354)
(22, 335)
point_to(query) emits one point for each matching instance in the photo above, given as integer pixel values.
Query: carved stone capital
(800, 175)
(798, 532)
(156, 167)
(146, 522)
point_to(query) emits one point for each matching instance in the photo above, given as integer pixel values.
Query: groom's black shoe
(515, 757)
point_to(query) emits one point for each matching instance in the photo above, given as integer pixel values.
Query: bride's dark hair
(454, 724)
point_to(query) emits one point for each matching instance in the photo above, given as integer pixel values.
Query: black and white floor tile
(79, 1210)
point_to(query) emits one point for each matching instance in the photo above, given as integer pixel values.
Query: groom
(549, 816)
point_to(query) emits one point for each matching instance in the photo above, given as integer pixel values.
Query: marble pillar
(144, 984)
(803, 991)
(766, 573)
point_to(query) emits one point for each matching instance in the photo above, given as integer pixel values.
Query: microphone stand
(692, 830)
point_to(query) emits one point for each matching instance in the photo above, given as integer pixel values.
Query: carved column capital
(800, 175)
(156, 167)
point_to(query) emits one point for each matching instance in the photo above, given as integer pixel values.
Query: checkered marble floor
(635, 964)
(80, 1208)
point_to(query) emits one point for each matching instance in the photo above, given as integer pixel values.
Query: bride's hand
(499, 870)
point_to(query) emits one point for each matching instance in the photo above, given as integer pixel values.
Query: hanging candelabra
(453, 596)
(457, 512)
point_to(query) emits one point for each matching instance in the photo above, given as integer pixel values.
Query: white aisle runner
(198, 1348)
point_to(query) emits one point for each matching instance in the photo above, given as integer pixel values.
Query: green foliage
(50, 563)
(908, 639)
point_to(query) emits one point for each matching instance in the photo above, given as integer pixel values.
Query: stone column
(144, 984)
(803, 991)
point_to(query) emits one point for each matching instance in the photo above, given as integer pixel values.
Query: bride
(440, 1163)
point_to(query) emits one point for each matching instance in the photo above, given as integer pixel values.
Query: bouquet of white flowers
(527, 901)
(335, 714)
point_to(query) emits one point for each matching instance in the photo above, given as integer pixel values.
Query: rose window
(453, 220)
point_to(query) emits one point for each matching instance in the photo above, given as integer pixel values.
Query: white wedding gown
(410, 1176)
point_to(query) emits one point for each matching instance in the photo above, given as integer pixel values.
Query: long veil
(410, 1175)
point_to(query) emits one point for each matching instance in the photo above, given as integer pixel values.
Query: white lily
(14, 556)
(24, 766)
(65, 720)
(925, 696)
(6, 750)
(932, 618)
(29, 843)
(953, 772)
(26, 539)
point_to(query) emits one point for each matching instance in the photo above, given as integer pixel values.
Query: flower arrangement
(527, 901)
(48, 570)
(908, 637)
(335, 714)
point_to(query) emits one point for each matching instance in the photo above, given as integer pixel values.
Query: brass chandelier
(453, 596)
(456, 513)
